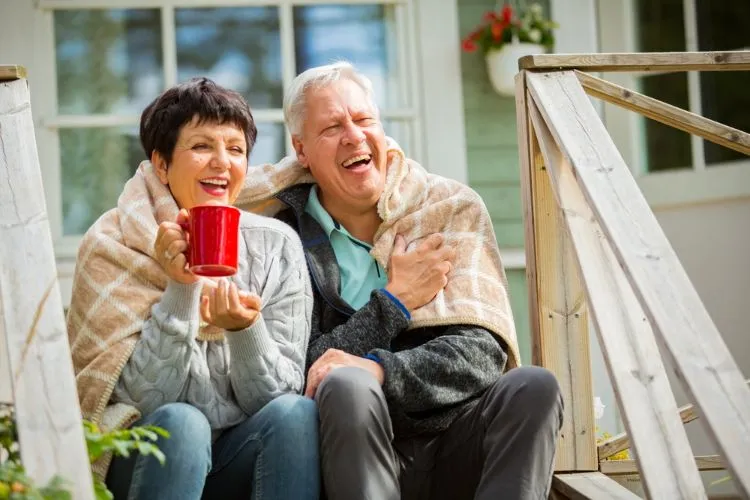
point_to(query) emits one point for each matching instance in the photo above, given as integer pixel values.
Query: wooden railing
(36, 370)
(594, 247)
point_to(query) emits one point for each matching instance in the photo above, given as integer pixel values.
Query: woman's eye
(200, 146)
(237, 150)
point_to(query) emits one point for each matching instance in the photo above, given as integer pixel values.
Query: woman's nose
(220, 160)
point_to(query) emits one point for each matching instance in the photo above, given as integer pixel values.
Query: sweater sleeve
(159, 368)
(373, 326)
(268, 358)
(447, 370)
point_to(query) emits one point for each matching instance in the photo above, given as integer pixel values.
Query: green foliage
(16, 485)
(122, 442)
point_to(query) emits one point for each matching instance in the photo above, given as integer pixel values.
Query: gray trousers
(503, 448)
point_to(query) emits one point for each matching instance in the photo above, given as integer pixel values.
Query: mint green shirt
(360, 272)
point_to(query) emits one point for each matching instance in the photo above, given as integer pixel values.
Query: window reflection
(108, 61)
(96, 163)
(364, 35)
(238, 48)
(270, 146)
(400, 131)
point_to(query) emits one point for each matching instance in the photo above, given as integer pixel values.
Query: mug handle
(185, 225)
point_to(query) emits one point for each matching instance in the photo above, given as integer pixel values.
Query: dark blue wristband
(372, 357)
(397, 302)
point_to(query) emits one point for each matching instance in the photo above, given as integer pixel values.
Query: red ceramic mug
(212, 235)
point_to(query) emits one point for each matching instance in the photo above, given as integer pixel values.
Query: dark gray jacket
(432, 375)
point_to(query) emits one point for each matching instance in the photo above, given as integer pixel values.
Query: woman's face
(208, 166)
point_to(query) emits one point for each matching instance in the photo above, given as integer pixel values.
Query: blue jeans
(271, 455)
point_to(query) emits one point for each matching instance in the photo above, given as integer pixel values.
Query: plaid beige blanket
(416, 204)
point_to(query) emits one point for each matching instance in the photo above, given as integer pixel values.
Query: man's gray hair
(315, 78)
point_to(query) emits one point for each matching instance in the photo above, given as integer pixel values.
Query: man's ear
(160, 166)
(299, 148)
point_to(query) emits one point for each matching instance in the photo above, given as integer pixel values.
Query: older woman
(226, 388)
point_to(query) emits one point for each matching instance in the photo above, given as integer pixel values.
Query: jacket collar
(321, 260)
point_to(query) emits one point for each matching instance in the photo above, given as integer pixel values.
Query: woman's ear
(160, 166)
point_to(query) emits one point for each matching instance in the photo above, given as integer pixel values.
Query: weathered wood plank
(6, 387)
(590, 486)
(631, 354)
(10, 72)
(667, 114)
(699, 355)
(641, 61)
(626, 467)
(559, 321)
(621, 442)
(31, 311)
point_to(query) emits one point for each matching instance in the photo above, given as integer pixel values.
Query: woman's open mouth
(215, 186)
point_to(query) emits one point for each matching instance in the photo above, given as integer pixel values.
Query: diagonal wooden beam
(698, 353)
(667, 114)
(630, 351)
(640, 61)
(623, 467)
(590, 486)
(621, 442)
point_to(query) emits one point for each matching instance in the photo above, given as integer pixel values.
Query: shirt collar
(316, 210)
(329, 225)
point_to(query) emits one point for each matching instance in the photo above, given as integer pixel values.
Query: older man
(415, 413)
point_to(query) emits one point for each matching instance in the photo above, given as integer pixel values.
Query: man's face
(343, 144)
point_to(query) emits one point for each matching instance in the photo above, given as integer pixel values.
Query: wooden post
(559, 319)
(32, 323)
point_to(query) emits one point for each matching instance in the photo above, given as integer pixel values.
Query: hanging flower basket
(506, 36)
(502, 64)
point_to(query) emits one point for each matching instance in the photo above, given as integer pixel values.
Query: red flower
(489, 16)
(497, 29)
(507, 13)
(468, 45)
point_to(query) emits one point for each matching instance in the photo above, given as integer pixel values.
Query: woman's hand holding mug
(170, 247)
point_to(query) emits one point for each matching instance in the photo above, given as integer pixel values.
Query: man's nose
(353, 134)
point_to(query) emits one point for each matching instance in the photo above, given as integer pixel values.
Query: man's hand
(332, 359)
(228, 308)
(416, 277)
(170, 247)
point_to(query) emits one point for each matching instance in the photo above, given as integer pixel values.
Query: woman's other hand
(170, 247)
(228, 308)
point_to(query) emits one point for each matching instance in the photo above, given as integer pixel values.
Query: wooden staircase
(595, 249)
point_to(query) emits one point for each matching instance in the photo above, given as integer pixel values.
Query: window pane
(270, 146)
(666, 147)
(661, 28)
(108, 61)
(96, 163)
(239, 48)
(400, 131)
(364, 35)
(724, 95)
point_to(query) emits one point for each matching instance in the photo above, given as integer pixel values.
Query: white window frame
(431, 49)
(696, 183)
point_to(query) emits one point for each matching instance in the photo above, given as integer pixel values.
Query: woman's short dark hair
(162, 120)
